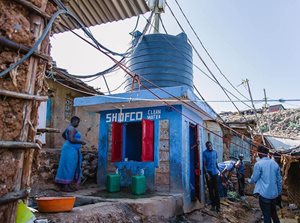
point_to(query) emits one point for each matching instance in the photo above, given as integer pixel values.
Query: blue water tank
(164, 60)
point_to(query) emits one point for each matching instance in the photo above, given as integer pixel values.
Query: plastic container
(163, 59)
(113, 183)
(55, 204)
(138, 185)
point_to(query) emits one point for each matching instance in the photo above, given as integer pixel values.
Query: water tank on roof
(164, 60)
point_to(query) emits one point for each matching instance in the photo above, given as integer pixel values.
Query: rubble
(285, 123)
(45, 167)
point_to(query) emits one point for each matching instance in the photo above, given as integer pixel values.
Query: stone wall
(45, 168)
(162, 173)
(18, 117)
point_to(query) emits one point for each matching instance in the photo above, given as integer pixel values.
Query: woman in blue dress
(69, 167)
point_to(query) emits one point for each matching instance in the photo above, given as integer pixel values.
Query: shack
(56, 112)
(157, 125)
(53, 117)
(22, 85)
(234, 143)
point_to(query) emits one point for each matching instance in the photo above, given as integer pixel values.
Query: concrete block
(162, 179)
(164, 155)
(164, 134)
(158, 206)
(164, 124)
(164, 145)
(164, 167)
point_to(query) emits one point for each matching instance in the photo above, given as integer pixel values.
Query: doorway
(194, 162)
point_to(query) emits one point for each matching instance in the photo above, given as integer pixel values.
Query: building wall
(239, 146)
(59, 113)
(166, 135)
(216, 140)
(162, 172)
(171, 168)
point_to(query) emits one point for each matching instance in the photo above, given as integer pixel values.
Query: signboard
(133, 116)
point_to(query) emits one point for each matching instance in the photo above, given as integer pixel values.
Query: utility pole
(266, 109)
(255, 112)
(158, 6)
(265, 98)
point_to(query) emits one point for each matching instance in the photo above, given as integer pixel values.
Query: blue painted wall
(129, 168)
(192, 117)
(180, 166)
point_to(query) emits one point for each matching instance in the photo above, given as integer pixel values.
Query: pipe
(23, 49)
(14, 196)
(23, 96)
(19, 145)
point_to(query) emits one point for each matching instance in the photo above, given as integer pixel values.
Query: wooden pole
(31, 86)
(255, 112)
(34, 66)
(23, 96)
(18, 145)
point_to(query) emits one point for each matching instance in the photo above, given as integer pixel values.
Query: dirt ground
(247, 211)
(110, 209)
(237, 211)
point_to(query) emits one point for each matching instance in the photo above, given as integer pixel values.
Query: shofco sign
(132, 116)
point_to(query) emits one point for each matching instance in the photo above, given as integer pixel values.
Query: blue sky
(257, 40)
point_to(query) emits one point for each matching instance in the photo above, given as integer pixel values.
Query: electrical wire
(206, 66)
(36, 45)
(121, 66)
(86, 30)
(202, 60)
(115, 66)
(200, 41)
(136, 24)
(126, 69)
(199, 93)
(75, 89)
(162, 24)
(202, 71)
(117, 88)
(117, 62)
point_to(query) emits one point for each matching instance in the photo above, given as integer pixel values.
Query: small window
(69, 109)
(133, 141)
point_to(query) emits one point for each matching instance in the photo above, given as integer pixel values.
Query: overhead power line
(201, 59)
(202, 71)
(200, 41)
(127, 70)
(281, 100)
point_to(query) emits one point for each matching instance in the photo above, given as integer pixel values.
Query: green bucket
(138, 185)
(113, 183)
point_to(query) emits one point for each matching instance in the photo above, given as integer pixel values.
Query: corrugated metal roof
(278, 143)
(96, 12)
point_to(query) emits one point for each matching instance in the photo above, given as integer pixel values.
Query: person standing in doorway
(211, 171)
(240, 173)
(268, 184)
(69, 167)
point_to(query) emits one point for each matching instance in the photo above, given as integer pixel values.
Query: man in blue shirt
(225, 168)
(240, 173)
(210, 167)
(268, 184)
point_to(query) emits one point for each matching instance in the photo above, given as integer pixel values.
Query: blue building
(152, 129)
